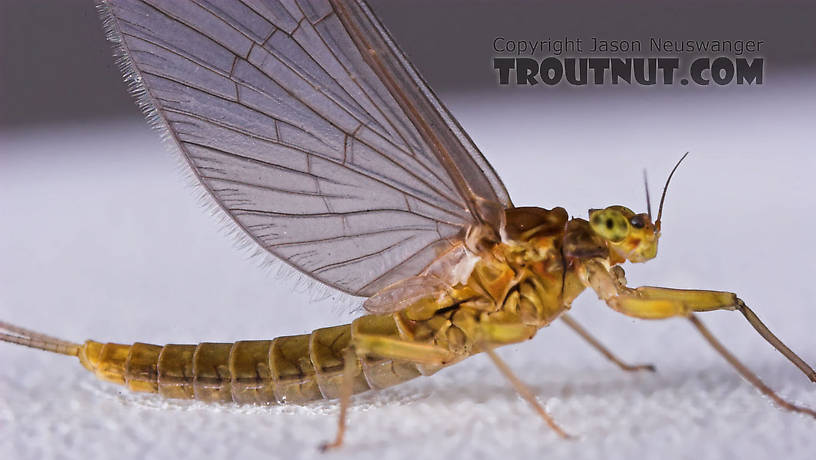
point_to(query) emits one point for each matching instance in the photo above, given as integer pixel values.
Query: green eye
(610, 224)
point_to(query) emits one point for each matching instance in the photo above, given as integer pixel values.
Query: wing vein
(349, 237)
(340, 162)
(361, 257)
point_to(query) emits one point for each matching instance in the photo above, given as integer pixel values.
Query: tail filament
(28, 338)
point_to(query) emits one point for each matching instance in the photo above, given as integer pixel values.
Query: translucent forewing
(296, 137)
(473, 176)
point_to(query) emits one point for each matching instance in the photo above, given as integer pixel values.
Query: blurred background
(57, 66)
(102, 236)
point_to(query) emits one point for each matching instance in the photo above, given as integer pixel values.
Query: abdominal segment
(293, 369)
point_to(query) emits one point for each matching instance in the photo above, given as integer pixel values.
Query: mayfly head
(628, 235)
(632, 236)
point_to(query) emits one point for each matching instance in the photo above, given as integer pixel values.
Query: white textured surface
(99, 237)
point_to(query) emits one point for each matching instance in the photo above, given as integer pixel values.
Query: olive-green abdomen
(293, 369)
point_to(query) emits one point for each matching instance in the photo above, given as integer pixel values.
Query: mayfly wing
(446, 271)
(473, 176)
(341, 163)
(405, 293)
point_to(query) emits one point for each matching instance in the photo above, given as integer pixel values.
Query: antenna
(665, 189)
(648, 198)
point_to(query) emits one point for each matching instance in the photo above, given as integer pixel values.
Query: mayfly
(312, 132)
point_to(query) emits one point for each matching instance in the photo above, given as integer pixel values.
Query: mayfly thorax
(314, 135)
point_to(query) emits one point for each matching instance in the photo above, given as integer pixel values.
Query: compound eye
(610, 224)
(637, 221)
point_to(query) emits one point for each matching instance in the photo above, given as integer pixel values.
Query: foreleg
(650, 302)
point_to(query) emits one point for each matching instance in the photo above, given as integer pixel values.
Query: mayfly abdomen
(293, 369)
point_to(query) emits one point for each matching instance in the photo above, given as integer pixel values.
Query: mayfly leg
(774, 340)
(744, 371)
(524, 392)
(575, 326)
(376, 336)
(651, 302)
(346, 389)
